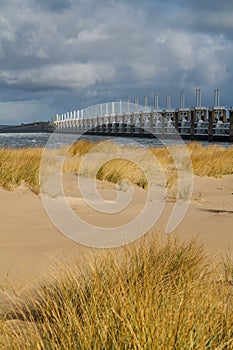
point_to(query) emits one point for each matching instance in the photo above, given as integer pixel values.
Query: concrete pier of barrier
(134, 120)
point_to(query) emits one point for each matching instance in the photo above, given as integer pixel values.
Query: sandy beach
(30, 244)
(29, 241)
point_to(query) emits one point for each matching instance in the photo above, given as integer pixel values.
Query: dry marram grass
(155, 294)
(20, 165)
(150, 295)
(106, 162)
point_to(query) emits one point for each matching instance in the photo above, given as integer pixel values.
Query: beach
(60, 285)
(40, 265)
(29, 241)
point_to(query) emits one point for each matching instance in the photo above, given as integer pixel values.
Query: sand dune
(29, 241)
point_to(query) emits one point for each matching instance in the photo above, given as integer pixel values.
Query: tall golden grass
(155, 294)
(19, 166)
(22, 165)
(213, 160)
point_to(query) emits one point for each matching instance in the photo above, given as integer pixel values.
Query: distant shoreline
(29, 127)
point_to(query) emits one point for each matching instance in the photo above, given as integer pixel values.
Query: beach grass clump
(109, 161)
(121, 169)
(19, 166)
(212, 161)
(113, 162)
(80, 148)
(154, 294)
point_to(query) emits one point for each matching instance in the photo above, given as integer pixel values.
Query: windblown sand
(29, 241)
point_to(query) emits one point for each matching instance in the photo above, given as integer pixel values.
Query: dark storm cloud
(64, 54)
(211, 17)
(208, 6)
(53, 5)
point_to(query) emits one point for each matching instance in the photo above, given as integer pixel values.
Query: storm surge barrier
(135, 120)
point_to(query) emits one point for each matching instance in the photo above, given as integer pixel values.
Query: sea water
(20, 140)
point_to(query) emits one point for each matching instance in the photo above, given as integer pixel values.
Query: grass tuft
(19, 166)
(22, 165)
(213, 160)
(150, 295)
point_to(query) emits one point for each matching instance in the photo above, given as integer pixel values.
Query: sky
(62, 55)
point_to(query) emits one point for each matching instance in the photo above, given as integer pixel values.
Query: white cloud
(147, 71)
(183, 49)
(90, 36)
(70, 75)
